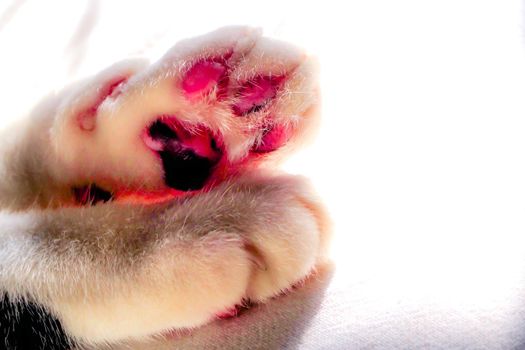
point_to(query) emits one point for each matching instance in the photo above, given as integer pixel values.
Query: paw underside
(192, 128)
(209, 108)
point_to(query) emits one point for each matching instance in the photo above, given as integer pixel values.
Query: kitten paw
(210, 106)
(195, 259)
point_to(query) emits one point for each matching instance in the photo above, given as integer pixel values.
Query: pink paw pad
(274, 137)
(192, 155)
(255, 94)
(203, 77)
(235, 310)
(231, 312)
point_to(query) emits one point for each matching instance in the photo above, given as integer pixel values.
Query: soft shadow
(278, 324)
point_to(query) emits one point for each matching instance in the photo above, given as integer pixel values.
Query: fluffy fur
(128, 269)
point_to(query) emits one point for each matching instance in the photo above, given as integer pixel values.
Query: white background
(421, 157)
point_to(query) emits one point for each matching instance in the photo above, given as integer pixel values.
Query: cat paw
(211, 106)
(243, 242)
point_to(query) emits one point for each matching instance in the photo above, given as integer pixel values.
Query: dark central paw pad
(188, 155)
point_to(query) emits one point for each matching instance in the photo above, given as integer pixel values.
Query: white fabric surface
(420, 158)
